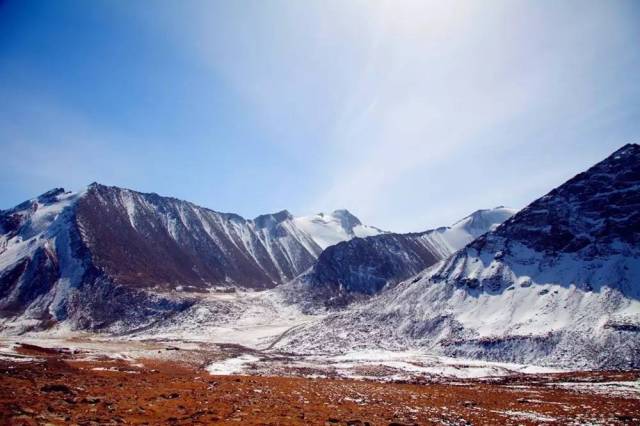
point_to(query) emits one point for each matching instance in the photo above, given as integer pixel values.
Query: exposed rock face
(558, 283)
(47, 273)
(364, 266)
(111, 255)
(145, 240)
(587, 214)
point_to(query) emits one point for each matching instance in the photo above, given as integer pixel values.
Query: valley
(160, 384)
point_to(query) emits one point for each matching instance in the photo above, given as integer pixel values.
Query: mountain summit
(63, 254)
(557, 283)
(332, 228)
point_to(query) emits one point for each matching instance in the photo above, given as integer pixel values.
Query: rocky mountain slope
(364, 266)
(110, 254)
(558, 283)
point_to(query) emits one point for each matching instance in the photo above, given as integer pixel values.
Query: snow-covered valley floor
(256, 320)
(380, 365)
(238, 334)
(220, 359)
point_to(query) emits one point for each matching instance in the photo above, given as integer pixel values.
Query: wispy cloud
(447, 80)
(411, 113)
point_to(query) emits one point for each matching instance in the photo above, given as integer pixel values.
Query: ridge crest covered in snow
(557, 283)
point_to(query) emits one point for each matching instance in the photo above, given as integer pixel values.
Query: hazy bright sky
(411, 114)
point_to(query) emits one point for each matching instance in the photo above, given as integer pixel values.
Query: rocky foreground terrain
(62, 386)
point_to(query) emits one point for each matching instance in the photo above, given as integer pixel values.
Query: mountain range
(88, 256)
(63, 249)
(361, 267)
(555, 283)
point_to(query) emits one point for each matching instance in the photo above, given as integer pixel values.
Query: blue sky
(411, 114)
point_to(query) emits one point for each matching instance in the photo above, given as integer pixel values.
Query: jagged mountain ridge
(156, 241)
(365, 266)
(558, 283)
(57, 246)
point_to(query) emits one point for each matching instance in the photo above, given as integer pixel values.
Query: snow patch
(230, 366)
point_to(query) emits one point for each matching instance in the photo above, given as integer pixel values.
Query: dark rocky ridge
(111, 255)
(593, 217)
(591, 210)
(366, 265)
(57, 280)
(558, 284)
(169, 243)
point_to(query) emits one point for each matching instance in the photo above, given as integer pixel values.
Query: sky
(409, 113)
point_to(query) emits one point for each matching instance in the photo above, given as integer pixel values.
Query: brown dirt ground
(58, 389)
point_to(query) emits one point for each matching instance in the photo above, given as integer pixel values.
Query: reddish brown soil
(61, 390)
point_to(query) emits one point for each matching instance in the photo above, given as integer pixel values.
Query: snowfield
(255, 320)
(371, 364)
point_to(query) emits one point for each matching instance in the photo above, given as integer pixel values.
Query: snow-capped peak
(484, 220)
(328, 229)
(557, 283)
(36, 213)
(449, 239)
